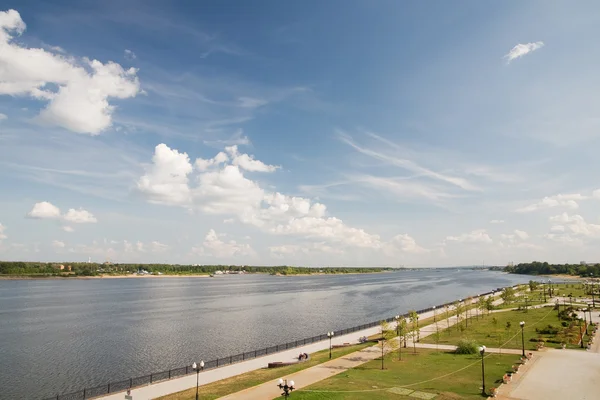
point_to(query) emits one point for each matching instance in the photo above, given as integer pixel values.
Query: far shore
(129, 276)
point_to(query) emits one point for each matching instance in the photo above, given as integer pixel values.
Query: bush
(564, 324)
(467, 346)
(548, 330)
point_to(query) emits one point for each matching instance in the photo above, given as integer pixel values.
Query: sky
(315, 133)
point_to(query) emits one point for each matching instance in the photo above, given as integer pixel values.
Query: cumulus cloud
(57, 244)
(522, 49)
(560, 200)
(476, 236)
(3, 117)
(79, 216)
(521, 234)
(214, 246)
(76, 91)
(166, 179)
(44, 210)
(596, 194)
(218, 186)
(576, 225)
(158, 247)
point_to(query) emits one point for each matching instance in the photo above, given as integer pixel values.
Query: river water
(58, 336)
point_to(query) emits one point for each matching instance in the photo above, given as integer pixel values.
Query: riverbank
(565, 276)
(70, 277)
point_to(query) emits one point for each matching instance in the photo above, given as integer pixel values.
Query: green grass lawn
(485, 331)
(427, 371)
(235, 384)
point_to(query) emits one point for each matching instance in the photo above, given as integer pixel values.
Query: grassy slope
(235, 384)
(424, 366)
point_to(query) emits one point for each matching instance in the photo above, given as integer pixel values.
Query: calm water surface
(58, 336)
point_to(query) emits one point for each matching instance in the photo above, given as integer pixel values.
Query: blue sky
(307, 133)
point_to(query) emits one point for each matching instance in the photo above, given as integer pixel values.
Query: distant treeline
(543, 268)
(91, 269)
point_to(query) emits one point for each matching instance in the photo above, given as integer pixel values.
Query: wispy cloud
(522, 49)
(406, 164)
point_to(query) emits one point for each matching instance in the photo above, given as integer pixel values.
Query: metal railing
(120, 386)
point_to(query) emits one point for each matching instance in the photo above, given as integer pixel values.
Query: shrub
(548, 330)
(467, 346)
(564, 323)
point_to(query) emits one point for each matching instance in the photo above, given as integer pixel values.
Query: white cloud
(596, 194)
(166, 180)
(129, 55)
(476, 236)
(44, 210)
(80, 102)
(57, 244)
(214, 246)
(497, 221)
(2, 234)
(158, 247)
(522, 49)
(521, 234)
(139, 246)
(249, 102)
(283, 251)
(559, 200)
(577, 225)
(403, 243)
(79, 216)
(247, 162)
(202, 164)
(3, 117)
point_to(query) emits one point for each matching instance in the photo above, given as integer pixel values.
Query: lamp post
(593, 299)
(580, 333)
(522, 324)
(482, 352)
(198, 368)
(397, 318)
(433, 313)
(287, 388)
(526, 303)
(330, 336)
(550, 283)
(544, 291)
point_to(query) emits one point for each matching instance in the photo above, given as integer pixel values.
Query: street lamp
(482, 352)
(287, 388)
(198, 368)
(522, 324)
(544, 291)
(433, 313)
(330, 336)
(526, 303)
(550, 283)
(397, 318)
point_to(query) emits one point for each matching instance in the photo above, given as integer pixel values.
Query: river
(58, 335)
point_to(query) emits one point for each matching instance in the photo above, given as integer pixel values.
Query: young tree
(508, 295)
(402, 335)
(533, 285)
(414, 319)
(481, 304)
(458, 309)
(489, 304)
(387, 339)
(447, 313)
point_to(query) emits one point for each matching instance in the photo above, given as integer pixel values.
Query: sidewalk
(350, 361)
(309, 376)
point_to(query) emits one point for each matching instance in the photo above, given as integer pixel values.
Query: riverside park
(522, 342)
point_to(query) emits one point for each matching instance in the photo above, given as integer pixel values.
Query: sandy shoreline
(564, 276)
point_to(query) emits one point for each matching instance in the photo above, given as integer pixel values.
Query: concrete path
(557, 375)
(309, 376)
(350, 361)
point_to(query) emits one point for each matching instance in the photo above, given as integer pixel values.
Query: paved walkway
(308, 375)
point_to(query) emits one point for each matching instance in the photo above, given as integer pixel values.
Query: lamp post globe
(198, 368)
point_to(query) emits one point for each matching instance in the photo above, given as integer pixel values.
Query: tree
(414, 319)
(489, 304)
(533, 285)
(447, 313)
(387, 339)
(402, 335)
(458, 309)
(508, 295)
(481, 304)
